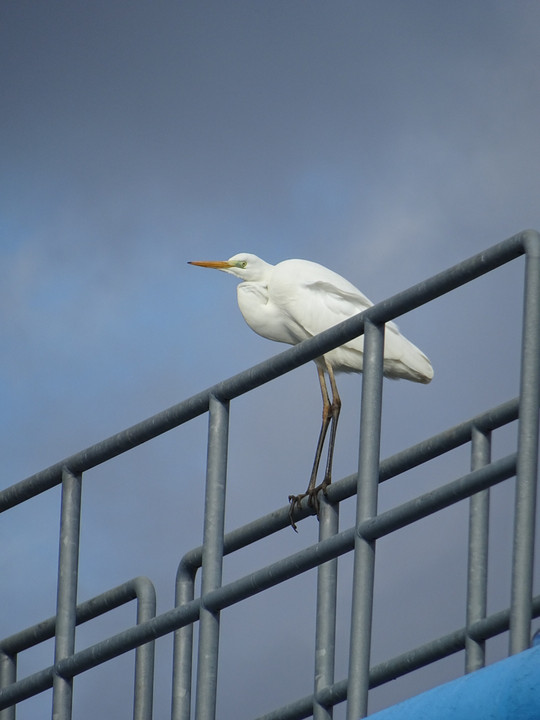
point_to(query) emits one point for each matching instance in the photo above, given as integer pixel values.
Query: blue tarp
(507, 690)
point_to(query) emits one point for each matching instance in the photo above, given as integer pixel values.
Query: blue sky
(385, 140)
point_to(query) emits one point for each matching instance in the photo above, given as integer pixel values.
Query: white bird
(297, 299)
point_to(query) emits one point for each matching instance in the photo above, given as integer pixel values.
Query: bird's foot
(313, 500)
(294, 503)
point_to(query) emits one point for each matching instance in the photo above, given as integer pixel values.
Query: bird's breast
(263, 316)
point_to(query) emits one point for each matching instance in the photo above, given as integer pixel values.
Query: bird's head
(244, 266)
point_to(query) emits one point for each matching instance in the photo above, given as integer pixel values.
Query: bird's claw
(294, 502)
(313, 500)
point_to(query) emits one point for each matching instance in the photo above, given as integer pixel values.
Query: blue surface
(507, 689)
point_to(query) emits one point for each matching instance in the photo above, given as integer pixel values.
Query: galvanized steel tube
(144, 655)
(478, 552)
(527, 470)
(183, 644)
(325, 629)
(8, 675)
(66, 609)
(366, 507)
(212, 559)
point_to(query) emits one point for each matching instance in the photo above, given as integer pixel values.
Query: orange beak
(216, 264)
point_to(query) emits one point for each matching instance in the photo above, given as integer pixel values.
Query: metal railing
(360, 539)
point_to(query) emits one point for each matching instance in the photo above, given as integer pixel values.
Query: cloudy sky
(386, 140)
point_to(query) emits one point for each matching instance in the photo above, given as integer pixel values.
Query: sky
(385, 140)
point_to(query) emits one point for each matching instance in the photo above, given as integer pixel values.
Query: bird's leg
(326, 417)
(335, 409)
(328, 414)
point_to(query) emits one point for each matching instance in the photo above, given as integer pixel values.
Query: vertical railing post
(212, 557)
(325, 632)
(183, 648)
(527, 465)
(68, 567)
(144, 654)
(8, 675)
(366, 507)
(478, 552)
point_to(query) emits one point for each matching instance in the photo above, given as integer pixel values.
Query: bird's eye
(241, 263)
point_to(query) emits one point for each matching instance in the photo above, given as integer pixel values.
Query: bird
(297, 299)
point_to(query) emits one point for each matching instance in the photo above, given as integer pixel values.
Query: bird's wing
(330, 305)
(338, 300)
(318, 305)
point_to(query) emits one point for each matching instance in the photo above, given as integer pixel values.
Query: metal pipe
(478, 552)
(527, 470)
(144, 654)
(366, 507)
(212, 559)
(183, 643)
(325, 628)
(66, 607)
(8, 675)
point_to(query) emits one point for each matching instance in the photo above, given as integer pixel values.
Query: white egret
(297, 299)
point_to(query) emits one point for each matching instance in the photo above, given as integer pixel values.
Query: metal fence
(359, 539)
